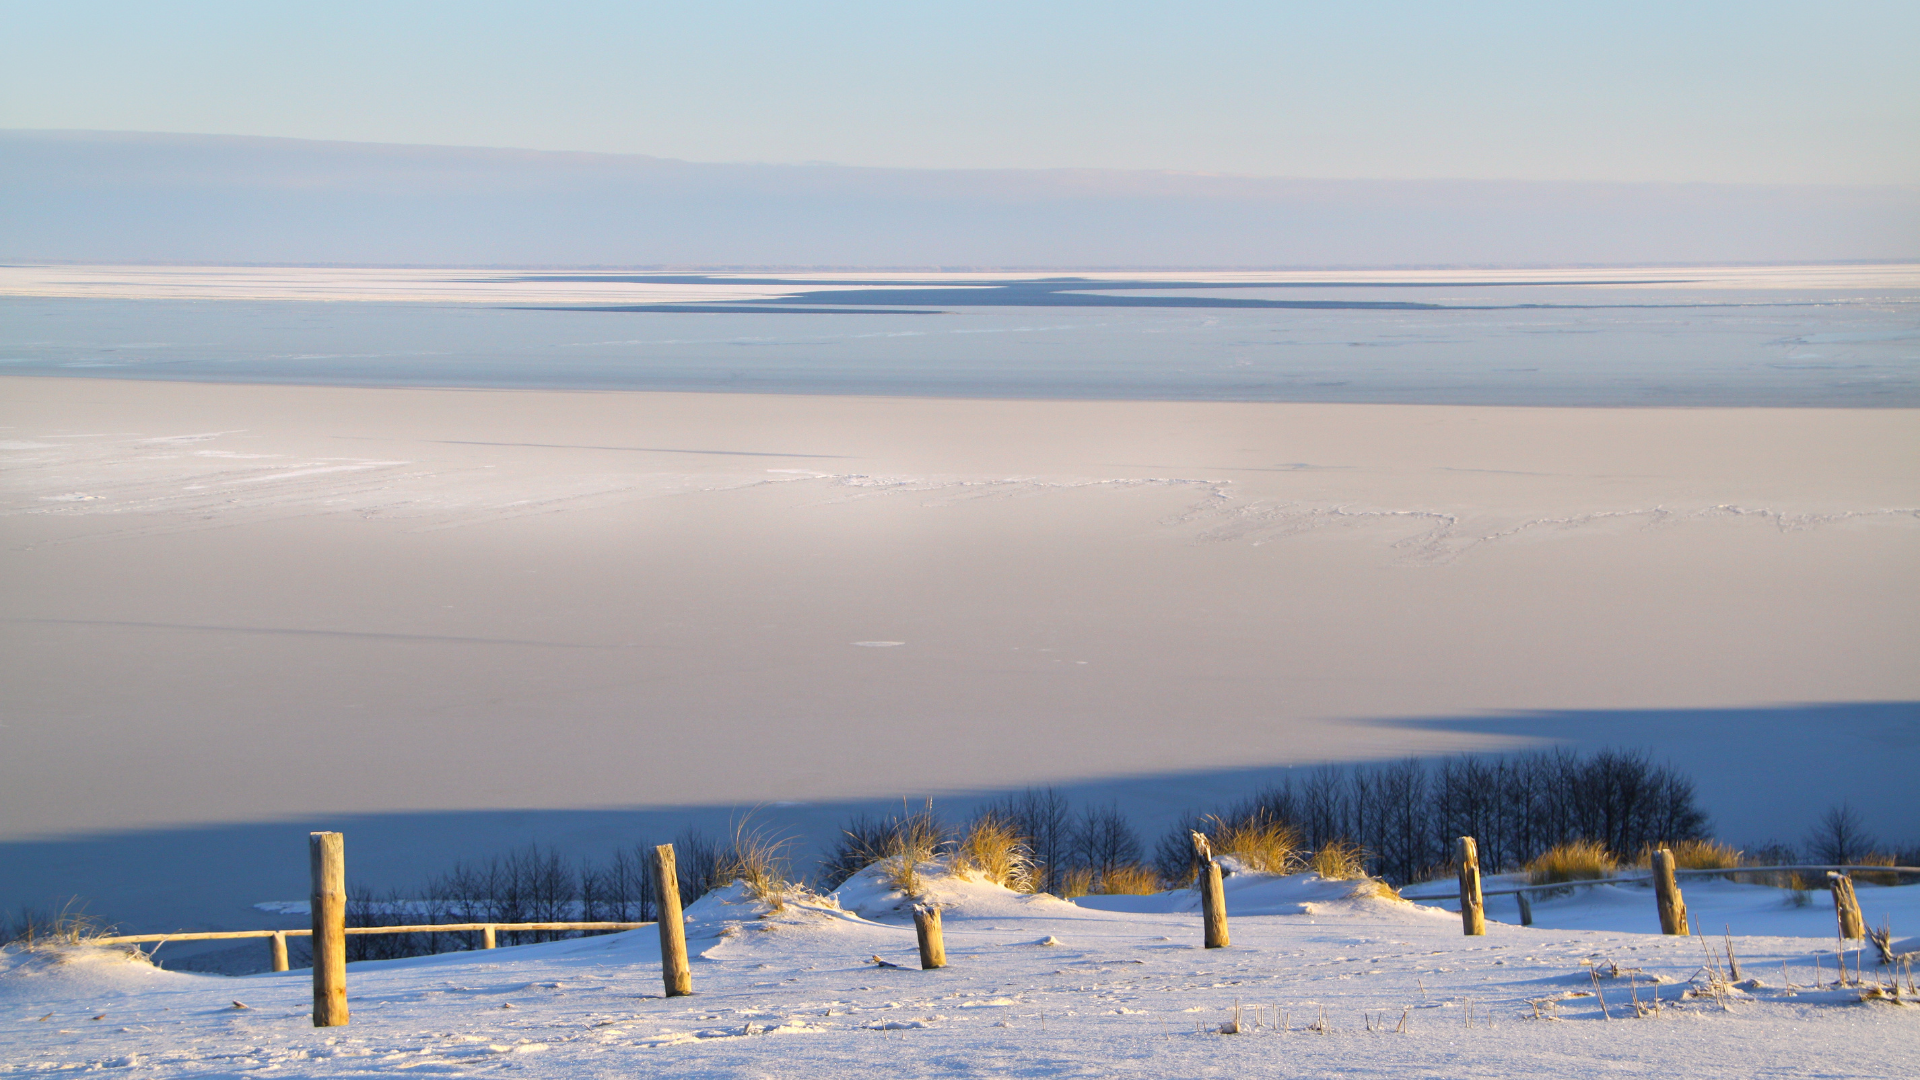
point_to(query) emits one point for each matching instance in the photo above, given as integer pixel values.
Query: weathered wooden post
(1666, 892)
(1846, 906)
(1526, 908)
(674, 969)
(277, 945)
(488, 939)
(1473, 910)
(1213, 896)
(933, 945)
(327, 851)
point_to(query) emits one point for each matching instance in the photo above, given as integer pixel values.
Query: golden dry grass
(59, 932)
(1264, 844)
(759, 861)
(1130, 881)
(1575, 860)
(1876, 858)
(1078, 882)
(1374, 887)
(993, 849)
(1340, 860)
(1695, 855)
(914, 840)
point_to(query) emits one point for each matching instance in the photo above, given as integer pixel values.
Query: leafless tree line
(530, 884)
(1407, 813)
(1058, 839)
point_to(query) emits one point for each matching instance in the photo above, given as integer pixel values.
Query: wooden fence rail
(1522, 890)
(430, 928)
(328, 905)
(278, 938)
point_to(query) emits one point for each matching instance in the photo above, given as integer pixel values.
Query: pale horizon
(1713, 92)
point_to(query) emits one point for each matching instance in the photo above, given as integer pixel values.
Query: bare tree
(1103, 841)
(1841, 836)
(1045, 821)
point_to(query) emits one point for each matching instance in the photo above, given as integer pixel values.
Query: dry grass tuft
(915, 838)
(1575, 860)
(1339, 860)
(1078, 882)
(898, 845)
(1375, 888)
(1265, 844)
(56, 934)
(1130, 881)
(993, 848)
(1694, 855)
(759, 861)
(1876, 858)
(1704, 855)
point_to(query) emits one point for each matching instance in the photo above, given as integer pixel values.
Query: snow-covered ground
(1035, 986)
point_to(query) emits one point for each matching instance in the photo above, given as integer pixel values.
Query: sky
(1730, 92)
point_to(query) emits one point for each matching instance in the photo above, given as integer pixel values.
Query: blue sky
(1621, 91)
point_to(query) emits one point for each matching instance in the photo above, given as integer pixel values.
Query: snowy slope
(1035, 986)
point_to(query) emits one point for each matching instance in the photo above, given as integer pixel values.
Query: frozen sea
(1779, 337)
(237, 580)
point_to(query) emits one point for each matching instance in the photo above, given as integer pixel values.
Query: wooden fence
(1669, 903)
(329, 929)
(1843, 868)
(486, 930)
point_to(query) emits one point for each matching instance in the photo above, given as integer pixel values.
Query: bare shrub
(1575, 860)
(992, 848)
(1045, 822)
(1841, 837)
(368, 908)
(32, 928)
(902, 842)
(1771, 853)
(1339, 860)
(1173, 857)
(862, 842)
(1104, 841)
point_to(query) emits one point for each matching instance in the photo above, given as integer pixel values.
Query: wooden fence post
(1846, 906)
(1666, 892)
(278, 950)
(327, 852)
(1213, 896)
(1526, 909)
(674, 969)
(488, 939)
(933, 945)
(1473, 910)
